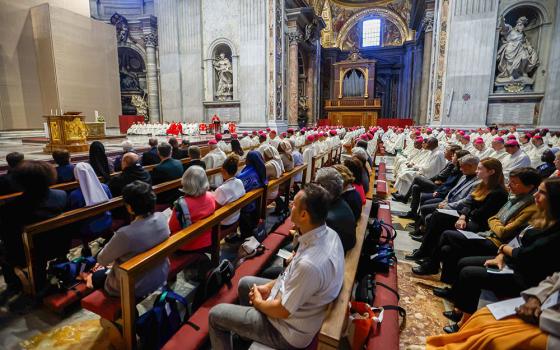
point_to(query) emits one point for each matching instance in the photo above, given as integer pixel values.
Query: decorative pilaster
(311, 83)
(150, 40)
(428, 24)
(294, 38)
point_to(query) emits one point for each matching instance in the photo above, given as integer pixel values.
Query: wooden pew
(132, 269)
(330, 334)
(31, 232)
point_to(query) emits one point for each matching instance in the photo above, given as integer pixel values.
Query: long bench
(110, 308)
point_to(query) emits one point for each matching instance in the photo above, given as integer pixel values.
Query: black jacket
(444, 174)
(178, 153)
(341, 219)
(128, 175)
(194, 162)
(480, 211)
(354, 201)
(150, 157)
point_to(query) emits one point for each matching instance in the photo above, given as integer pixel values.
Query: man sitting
(64, 170)
(286, 313)
(7, 182)
(194, 155)
(127, 147)
(214, 159)
(151, 157)
(516, 158)
(131, 171)
(168, 169)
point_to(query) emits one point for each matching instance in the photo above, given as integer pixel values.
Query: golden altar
(66, 132)
(95, 130)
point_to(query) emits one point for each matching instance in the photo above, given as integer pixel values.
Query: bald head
(129, 159)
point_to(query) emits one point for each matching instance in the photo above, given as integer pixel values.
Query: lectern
(66, 132)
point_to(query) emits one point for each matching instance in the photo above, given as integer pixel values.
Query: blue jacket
(94, 226)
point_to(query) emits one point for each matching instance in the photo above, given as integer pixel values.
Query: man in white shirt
(499, 151)
(536, 152)
(287, 313)
(480, 149)
(516, 158)
(214, 159)
(245, 141)
(273, 140)
(525, 143)
(231, 189)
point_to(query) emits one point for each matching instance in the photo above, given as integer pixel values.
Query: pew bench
(330, 335)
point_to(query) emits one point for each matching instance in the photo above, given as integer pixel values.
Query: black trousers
(419, 184)
(248, 221)
(473, 277)
(435, 226)
(454, 246)
(426, 211)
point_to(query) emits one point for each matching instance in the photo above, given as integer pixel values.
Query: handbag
(157, 325)
(63, 274)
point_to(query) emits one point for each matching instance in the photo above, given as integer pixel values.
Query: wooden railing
(132, 269)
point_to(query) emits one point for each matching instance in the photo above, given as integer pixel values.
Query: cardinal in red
(232, 127)
(216, 123)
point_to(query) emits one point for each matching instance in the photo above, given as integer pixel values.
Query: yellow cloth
(483, 331)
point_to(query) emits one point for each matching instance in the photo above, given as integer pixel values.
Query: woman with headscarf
(90, 192)
(253, 176)
(285, 151)
(274, 169)
(98, 160)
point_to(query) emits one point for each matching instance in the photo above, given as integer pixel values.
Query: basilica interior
(125, 72)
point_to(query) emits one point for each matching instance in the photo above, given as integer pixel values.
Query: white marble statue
(140, 104)
(516, 56)
(224, 70)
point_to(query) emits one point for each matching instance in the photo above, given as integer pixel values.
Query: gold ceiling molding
(375, 11)
(371, 3)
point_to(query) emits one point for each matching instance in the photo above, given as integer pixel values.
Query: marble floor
(11, 141)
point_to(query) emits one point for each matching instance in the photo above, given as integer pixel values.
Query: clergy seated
(516, 158)
(395, 143)
(214, 159)
(412, 156)
(431, 166)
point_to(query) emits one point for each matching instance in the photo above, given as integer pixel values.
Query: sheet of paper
(383, 206)
(505, 271)
(514, 243)
(451, 212)
(553, 300)
(470, 235)
(284, 254)
(505, 308)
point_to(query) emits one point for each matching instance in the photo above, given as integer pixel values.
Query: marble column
(426, 67)
(311, 73)
(152, 76)
(294, 37)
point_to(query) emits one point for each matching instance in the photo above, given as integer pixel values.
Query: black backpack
(214, 281)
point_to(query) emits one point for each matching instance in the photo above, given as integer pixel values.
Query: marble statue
(516, 57)
(141, 105)
(224, 70)
(121, 26)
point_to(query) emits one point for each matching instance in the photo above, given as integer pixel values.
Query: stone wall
(51, 59)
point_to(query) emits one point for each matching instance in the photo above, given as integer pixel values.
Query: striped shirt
(310, 282)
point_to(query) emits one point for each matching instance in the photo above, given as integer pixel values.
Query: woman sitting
(196, 205)
(252, 176)
(475, 210)
(274, 169)
(349, 193)
(355, 166)
(531, 328)
(147, 230)
(285, 150)
(230, 190)
(556, 165)
(236, 148)
(362, 156)
(64, 169)
(503, 226)
(98, 160)
(90, 192)
(532, 261)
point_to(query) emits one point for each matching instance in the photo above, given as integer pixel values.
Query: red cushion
(102, 304)
(178, 262)
(189, 338)
(285, 228)
(60, 301)
(161, 207)
(386, 335)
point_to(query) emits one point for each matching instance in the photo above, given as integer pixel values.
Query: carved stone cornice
(150, 40)
(294, 36)
(428, 21)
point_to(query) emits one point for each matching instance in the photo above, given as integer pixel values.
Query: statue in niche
(517, 59)
(224, 71)
(129, 81)
(121, 26)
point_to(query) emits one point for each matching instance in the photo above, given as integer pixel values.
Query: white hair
(331, 180)
(127, 145)
(195, 181)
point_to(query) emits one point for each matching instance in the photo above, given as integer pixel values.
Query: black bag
(62, 274)
(366, 288)
(375, 231)
(216, 279)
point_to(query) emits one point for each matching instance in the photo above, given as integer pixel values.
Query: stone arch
(376, 11)
(221, 41)
(539, 8)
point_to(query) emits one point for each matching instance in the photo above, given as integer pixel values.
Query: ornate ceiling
(342, 16)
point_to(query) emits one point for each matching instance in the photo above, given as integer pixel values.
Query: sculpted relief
(516, 57)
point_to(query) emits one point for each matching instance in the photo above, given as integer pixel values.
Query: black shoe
(408, 215)
(233, 239)
(417, 238)
(453, 316)
(395, 195)
(443, 293)
(454, 328)
(399, 198)
(426, 268)
(416, 255)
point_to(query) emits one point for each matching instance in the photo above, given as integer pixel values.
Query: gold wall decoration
(55, 133)
(67, 132)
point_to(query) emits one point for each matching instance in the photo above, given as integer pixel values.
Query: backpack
(375, 229)
(157, 325)
(63, 274)
(214, 281)
(366, 288)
